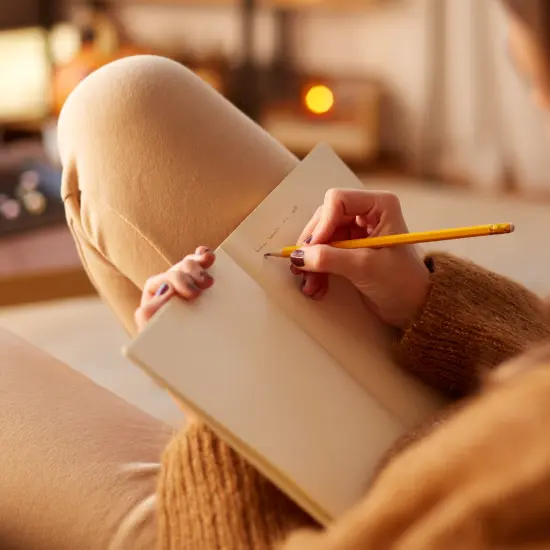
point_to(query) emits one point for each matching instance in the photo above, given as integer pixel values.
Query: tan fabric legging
(155, 163)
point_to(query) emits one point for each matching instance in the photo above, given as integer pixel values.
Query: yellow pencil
(411, 238)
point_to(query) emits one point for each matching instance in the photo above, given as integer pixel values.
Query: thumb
(327, 259)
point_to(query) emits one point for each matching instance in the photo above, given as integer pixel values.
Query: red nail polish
(309, 239)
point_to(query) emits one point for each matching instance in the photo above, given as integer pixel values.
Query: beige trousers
(155, 163)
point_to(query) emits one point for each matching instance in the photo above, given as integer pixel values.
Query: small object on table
(34, 202)
(10, 209)
(41, 265)
(29, 181)
(27, 192)
(30, 199)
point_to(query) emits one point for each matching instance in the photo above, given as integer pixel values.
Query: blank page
(269, 390)
(341, 322)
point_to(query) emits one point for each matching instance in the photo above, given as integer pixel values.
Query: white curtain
(480, 126)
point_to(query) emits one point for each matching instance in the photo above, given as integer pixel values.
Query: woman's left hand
(186, 279)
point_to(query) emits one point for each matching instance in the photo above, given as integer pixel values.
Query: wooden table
(39, 266)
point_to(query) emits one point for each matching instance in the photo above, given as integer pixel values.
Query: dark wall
(28, 13)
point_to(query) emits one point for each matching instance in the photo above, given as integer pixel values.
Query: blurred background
(415, 95)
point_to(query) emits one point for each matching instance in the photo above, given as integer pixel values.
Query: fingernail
(297, 258)
(191, 283)
(163, 289)
(309, 239)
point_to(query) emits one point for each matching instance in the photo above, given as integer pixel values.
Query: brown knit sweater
(453, 487)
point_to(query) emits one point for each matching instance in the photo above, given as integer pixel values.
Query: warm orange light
(210, 77)
(319, 99)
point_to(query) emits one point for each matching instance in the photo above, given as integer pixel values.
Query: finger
(340, 204)
(187, 287)
(341, 234)
(344, 233)
(328, 259)
(321, 293)
(146, 311)
(308, 230)
(192, 266)
(205, 256)
(360, 232)
(180, 282)
(346, 225)
(319, 284)
(151, 287)
(314, 283)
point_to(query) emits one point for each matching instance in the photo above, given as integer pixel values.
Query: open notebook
(304, 390)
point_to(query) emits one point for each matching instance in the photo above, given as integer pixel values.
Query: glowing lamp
(319, 99)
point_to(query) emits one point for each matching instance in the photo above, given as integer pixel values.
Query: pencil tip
(268, 255)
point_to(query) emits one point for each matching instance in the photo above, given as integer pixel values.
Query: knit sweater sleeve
(209, 498)
(472, 321)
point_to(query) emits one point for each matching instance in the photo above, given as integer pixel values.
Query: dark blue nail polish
(163, 289)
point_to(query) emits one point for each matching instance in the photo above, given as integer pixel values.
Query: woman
(481, 480)
(156, 163)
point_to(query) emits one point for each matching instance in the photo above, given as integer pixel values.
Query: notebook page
(341, 323)
(269, 390)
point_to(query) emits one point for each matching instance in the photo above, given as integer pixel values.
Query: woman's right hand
(187, 279)
(394, 281)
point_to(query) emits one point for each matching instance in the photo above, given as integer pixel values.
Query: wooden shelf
(40, 266)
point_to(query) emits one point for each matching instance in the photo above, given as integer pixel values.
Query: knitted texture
(211, 498)
(472, 321)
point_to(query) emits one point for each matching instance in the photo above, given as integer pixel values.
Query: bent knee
(114, 96)
(125, 112)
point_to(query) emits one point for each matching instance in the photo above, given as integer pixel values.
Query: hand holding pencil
(362, 236)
